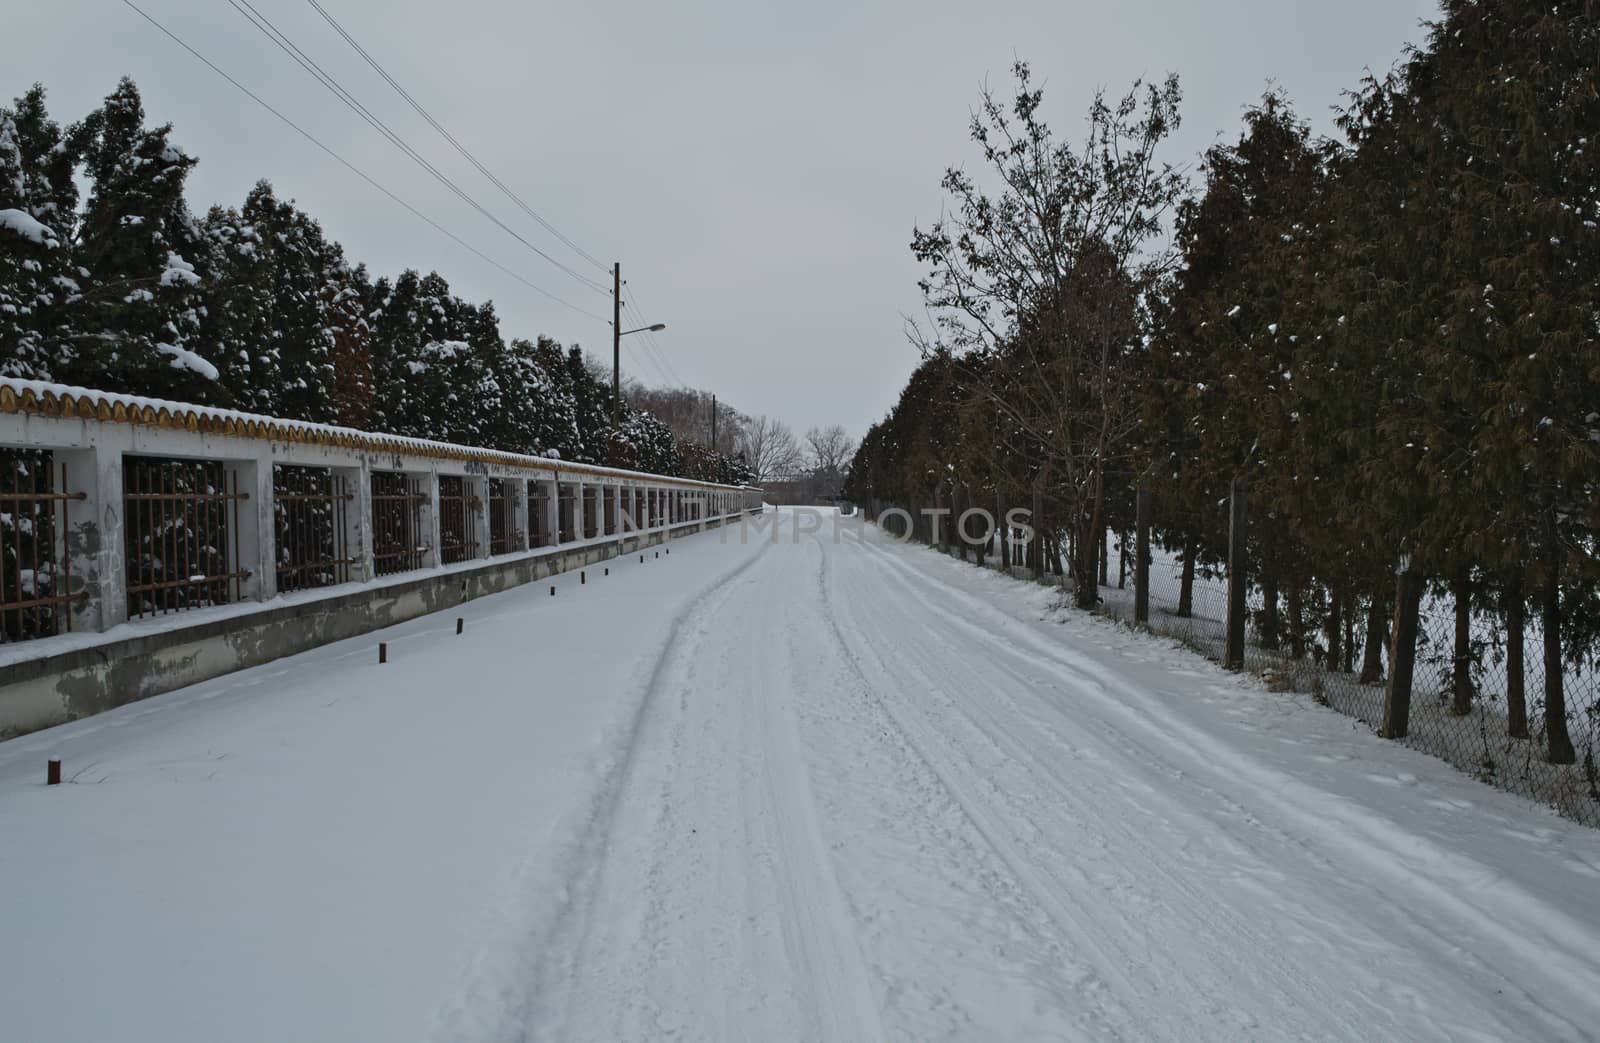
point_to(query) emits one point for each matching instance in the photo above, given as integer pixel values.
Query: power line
(650, 338)
(265, 26)
(644, 356)
(467, 154)
(647, 346)
(363, 175)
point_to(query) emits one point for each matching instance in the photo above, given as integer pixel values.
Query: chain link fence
(1335, 654)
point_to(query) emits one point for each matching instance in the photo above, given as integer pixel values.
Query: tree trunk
(1238, 574)
(1005, 534)
(957, 505)
(1269, 612)
(1085, 563)
(1461, 664)
(1105, 552)
(1555, 699)
(1122, 561)
(1141, 557)
(1350, 637)
(1335, 611)
(1036, 547)
(1402, 658)
(1297, 620)
(1186, 586)
(1372, 649)
(1516, 671)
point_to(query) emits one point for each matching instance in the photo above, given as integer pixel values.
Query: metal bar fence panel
(309, 508)
(538, 505)
(591, 511)
(35, 578)
(566, 504)
(504, 535)
(181, 529)
(459, 508)
(398, 543)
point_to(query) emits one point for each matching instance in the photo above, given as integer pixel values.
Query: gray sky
(757, 168)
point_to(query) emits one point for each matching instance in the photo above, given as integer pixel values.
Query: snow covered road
(818, 789)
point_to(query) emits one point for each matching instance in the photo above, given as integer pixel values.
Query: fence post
(430, 527)
(358, 530)
(476, 489)
(94, 544)
(1238, 568)
(1141, 557)
(1402, 657)
(256, 538)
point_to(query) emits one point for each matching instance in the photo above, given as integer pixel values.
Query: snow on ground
(807, 790)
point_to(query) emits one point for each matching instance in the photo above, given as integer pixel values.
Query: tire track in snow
(1401, 868)
(1006, 970)
(832, 950)
(507, 1003)
(715, 912)
(1107, 974)
(1212, 938)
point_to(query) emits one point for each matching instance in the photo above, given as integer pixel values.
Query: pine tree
(38, 201)
(142, 293)
(239, 311)
(344, 295)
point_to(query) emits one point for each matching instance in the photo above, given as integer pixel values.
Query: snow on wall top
(42, 398)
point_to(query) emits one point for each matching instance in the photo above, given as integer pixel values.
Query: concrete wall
(65, 685)
(106, 661)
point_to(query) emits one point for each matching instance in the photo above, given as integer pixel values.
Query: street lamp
(617, 333)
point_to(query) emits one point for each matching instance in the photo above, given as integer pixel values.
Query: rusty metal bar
(35, 568)
(308, 507)
(458, 516)
(181, 536)
(397, 501)
(504, 536)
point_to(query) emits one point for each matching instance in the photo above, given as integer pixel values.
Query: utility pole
(713, 423)
(616, 344)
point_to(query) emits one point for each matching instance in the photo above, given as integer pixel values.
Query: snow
(178, 271)
(421, 445)
(777, 790)
(23, 224)
(183, 358)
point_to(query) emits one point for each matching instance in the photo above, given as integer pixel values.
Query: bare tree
(829, 449)
(769, 448)
(1042, 287)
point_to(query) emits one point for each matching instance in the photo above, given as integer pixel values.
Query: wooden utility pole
(616, 344)
(713, 424)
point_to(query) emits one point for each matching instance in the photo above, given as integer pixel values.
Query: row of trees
(1392, 340)
(768, 446)
(122, 288)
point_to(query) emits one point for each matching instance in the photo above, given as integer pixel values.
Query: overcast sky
(757, 168)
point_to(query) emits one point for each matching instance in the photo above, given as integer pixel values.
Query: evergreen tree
(137, 242)
(38, 203)
(239, 311)
(344, 297)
